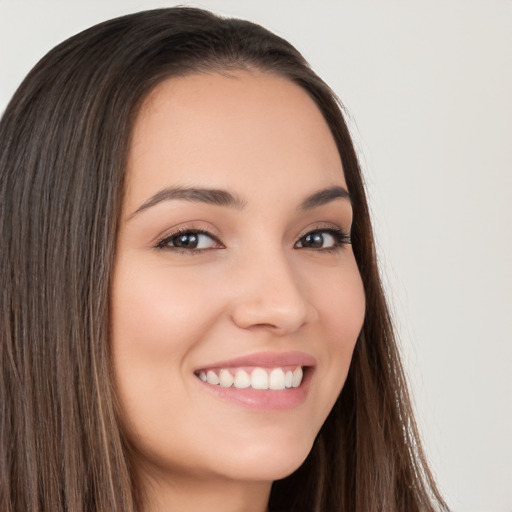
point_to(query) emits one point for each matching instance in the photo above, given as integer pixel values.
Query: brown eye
(323, 239)
(315, 240)
(188, 240)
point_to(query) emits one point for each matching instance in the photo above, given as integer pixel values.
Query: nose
(270, 295)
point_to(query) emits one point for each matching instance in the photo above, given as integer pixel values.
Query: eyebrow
(323, 197)
(218, 197)
(198, 195)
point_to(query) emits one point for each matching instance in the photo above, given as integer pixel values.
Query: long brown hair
(64, 140)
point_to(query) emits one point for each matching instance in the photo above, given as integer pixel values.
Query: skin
(254, 287)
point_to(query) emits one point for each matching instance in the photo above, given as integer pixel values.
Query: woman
(192, 313)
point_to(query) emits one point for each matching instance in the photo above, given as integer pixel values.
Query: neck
(214, 495)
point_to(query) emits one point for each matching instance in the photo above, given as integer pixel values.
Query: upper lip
(266, 360)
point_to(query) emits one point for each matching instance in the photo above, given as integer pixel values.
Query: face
(233, 264)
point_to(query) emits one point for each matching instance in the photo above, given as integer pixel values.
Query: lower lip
(264, 399)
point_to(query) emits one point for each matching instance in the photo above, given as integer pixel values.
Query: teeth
(276, 379)
(225, 379)
(297, 377)
(288, 379)
(212, 377)
(242, 379)
(259, 378)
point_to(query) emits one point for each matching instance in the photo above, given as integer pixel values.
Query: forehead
(233, 129)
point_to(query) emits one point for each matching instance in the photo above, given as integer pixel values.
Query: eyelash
(163, 243)
(340, 236)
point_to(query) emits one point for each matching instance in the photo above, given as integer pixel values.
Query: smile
(265, 381)
(256, 378)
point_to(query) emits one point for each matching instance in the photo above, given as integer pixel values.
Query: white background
(429, 89)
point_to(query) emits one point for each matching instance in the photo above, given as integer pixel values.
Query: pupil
(188, 240)
(315, 240)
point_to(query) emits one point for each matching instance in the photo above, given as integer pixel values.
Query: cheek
(344, 310)
(158, 317)
(155, 310)
(341, 307)
(338, 295)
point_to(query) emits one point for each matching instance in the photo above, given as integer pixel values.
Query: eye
(189, 240)
(325, 239)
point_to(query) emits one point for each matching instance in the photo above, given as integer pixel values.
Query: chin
(268, 463)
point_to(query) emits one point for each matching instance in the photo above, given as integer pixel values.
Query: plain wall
(428, 86)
